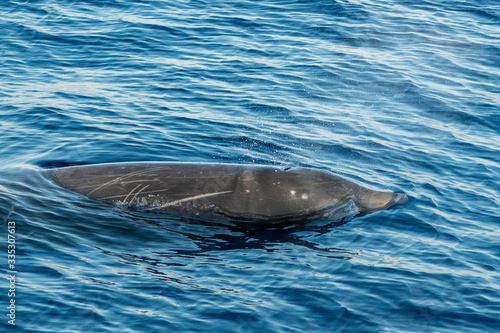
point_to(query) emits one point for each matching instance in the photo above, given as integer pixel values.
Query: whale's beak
(399, 198)
(369, 201)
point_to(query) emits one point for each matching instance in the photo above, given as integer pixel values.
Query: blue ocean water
(395, 95)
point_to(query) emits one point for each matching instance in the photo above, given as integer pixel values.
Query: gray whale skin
(238, 191)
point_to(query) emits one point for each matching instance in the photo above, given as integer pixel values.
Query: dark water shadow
(227, 234)
(49, 164)
(212, 243)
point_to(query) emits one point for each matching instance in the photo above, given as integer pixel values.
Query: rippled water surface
(394, 95)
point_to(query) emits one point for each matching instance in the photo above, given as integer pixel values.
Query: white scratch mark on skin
(201, 196)
(82, 187)
(125, 200)
(116, 180)
(145, 187)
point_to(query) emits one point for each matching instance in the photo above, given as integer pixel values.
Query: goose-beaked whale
(238, 191)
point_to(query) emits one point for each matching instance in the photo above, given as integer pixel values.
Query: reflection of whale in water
(241, 192)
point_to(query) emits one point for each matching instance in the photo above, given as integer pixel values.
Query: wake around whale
(238, 191)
